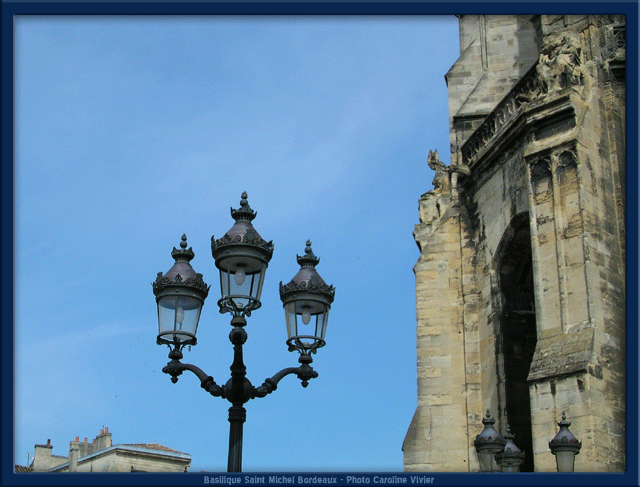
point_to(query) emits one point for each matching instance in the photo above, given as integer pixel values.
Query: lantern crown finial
(309, 259)
(564, 436)
(307, 279)
(244, 213)
(181, 273)
(488, 419)
(510, 445)
(488, 443)
(183, 254)
(489, 436)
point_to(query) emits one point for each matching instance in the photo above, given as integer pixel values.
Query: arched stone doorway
(518, 333)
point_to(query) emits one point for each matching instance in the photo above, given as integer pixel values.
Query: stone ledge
(566, 353)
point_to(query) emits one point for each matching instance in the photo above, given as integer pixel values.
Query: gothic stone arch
(517, 335)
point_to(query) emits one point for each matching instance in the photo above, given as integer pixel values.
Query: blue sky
(131, 131)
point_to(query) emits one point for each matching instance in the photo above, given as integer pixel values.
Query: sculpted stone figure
(559, 65)
(434, 202)
(441, 182)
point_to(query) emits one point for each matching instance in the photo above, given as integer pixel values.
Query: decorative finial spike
(183, 254)
(309, 259)
(244, 212)
(564, 416)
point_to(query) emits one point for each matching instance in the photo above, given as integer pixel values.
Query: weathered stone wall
(442, 408)
(537, 168)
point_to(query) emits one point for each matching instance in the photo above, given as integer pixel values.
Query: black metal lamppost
(242, 257)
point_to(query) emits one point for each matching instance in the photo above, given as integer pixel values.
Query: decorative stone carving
(526, 90)
(441, 182)
(433, 203)
(559, 65)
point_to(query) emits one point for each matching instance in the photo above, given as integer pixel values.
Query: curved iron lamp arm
(305, 373)
(175, 368)
(238, 390)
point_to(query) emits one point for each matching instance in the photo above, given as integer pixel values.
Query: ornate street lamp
(565, 446)
(241, 256)
(488, 443)
(511, 457)
(180, 294)
(306, 300)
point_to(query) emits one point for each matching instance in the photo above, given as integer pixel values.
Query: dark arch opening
(519, 335)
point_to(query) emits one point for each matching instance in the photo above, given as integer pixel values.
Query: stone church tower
(520, 285)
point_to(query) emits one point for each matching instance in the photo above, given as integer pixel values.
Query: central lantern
(242, 257)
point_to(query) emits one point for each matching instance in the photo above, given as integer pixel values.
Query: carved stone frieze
(525, 91)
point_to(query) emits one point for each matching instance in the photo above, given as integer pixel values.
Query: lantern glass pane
(241, 286)
(485, 459)
(291, 319)
(306, 319)
(321, 326)
(564, 460)
(178, 313)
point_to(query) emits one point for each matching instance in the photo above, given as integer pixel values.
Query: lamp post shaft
(238, 392)
(237, 417)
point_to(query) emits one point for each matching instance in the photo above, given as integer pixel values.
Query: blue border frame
(11, 9)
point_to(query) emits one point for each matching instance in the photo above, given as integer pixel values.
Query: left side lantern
(180, 294)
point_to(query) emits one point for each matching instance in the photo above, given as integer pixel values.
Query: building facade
(102, 455)
(520, 283)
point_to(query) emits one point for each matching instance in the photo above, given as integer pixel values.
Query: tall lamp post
(242, 257)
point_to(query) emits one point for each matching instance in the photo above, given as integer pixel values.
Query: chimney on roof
(42, 457)
(103, 440)
(74, 451)
(84, 448)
